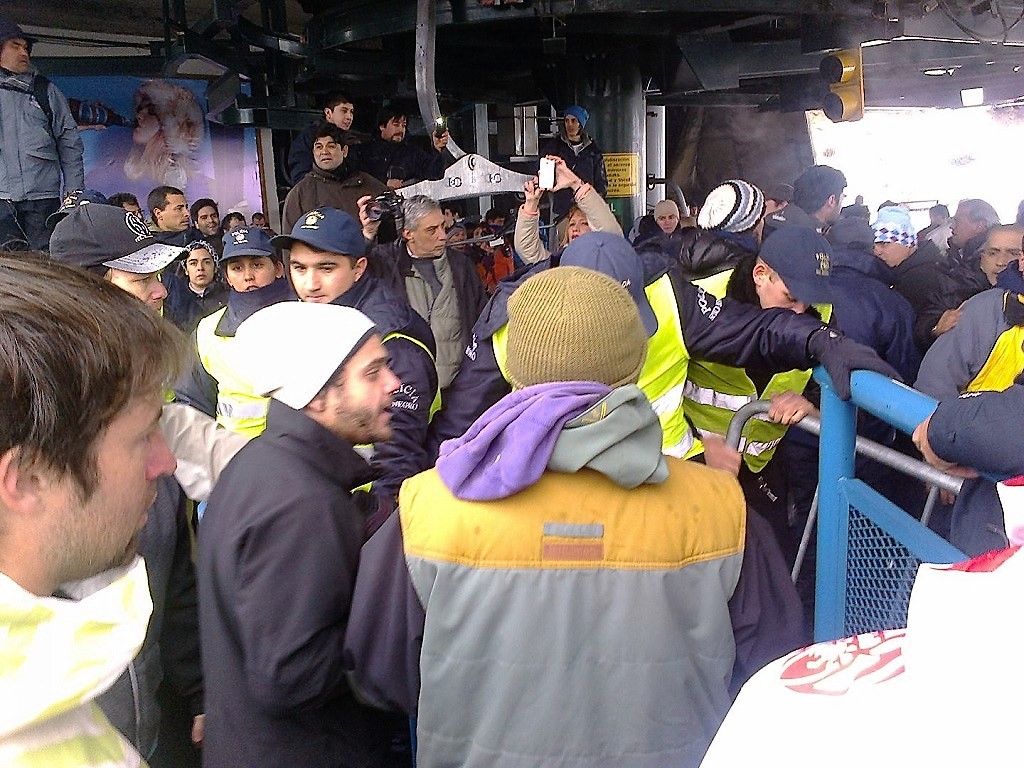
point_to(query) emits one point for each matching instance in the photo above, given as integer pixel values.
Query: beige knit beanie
(574, 324)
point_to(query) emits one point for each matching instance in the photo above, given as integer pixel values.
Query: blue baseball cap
(326, 229)
(247, 241)
(71, 201)
(803, 259)
(11, 31)
(612, 255)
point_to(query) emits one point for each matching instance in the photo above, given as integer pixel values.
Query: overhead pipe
(426, 90)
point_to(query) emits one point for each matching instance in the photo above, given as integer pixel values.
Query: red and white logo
(832, 669)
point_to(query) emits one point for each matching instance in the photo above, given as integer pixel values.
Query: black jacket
(725, 331)
(588, 164)
(182, 238)
(702, 253)
(790, 216)
(184, 307)
(393, 264)
(171, 647)
(405, 454)
(399, 160)
(918, 277)
(933, 283)
(278, 552)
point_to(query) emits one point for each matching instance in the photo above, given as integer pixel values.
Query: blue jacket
(981, 430)
(868, 310)
(1011, 279)
(405, 454)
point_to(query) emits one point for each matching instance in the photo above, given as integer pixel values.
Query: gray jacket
(958, 356)
(32, 160)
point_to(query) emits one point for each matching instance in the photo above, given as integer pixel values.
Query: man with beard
(331, 183)
(391, 159)
(206, 218)
(280, 545)
(816, 204)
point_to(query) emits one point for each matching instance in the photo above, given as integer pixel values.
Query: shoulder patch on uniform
(707, 308)
(407, 398)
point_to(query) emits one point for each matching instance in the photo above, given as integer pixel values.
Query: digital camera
(387, 204)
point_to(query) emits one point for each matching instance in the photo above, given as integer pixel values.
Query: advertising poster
(140, 134)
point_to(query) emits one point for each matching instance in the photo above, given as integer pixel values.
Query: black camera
(387, 204)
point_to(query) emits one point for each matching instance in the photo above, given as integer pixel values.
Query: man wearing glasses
(983, 351)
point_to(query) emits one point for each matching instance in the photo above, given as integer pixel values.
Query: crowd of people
(394, 485)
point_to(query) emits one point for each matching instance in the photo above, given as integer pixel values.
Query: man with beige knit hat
(562, 586)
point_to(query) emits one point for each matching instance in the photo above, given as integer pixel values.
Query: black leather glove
(841, 356)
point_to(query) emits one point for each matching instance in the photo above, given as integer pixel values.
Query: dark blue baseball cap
(612, 255)
(247, 241)
(71, 201)
(803, 259)
(326, 229)
(11, 31)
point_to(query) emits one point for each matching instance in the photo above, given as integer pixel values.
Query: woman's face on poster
(147, 124)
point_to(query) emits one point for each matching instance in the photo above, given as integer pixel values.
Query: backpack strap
(41, 92)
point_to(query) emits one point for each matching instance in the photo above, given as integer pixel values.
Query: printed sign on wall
(622, 169)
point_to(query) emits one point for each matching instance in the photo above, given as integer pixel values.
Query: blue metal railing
(868, 548)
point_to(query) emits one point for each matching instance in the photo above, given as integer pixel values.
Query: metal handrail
(880, 453)
(881, 407)
(905, 409)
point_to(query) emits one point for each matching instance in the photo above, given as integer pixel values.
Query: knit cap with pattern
(893, 225)
(733, 206)
(574, 324)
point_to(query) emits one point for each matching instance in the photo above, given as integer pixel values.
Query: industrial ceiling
(762, 54)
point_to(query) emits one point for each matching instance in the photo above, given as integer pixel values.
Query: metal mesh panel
(880, 572)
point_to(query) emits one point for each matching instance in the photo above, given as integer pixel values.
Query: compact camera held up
(387, 204)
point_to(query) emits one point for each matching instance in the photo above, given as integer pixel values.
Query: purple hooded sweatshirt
(507, 449)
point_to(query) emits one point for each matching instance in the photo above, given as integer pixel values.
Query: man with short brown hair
(80, 454)
(332, 181)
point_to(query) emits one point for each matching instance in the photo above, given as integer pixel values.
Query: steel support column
(609, 87)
